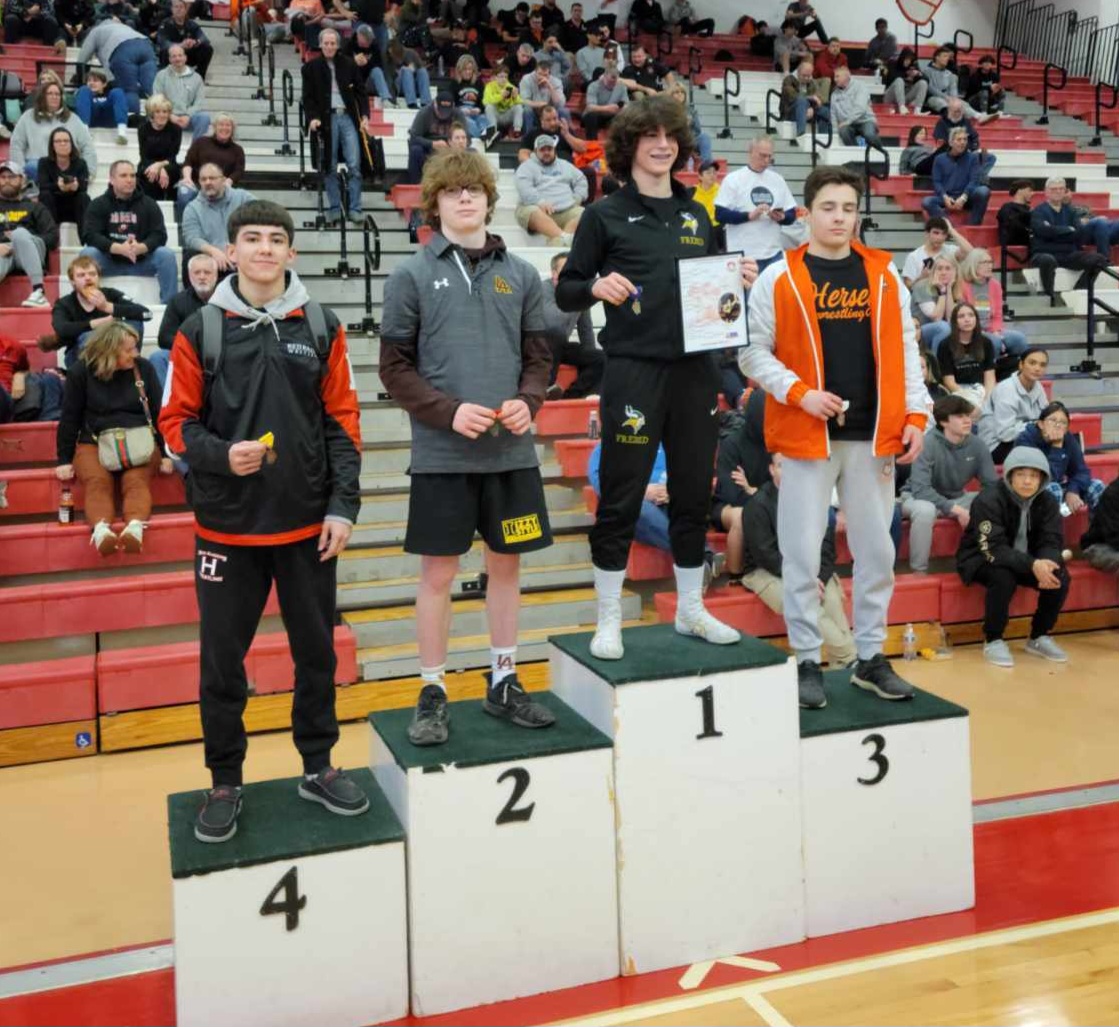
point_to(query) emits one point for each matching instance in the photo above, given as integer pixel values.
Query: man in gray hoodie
(127, 55)
(186, 91)
(550, 193)
(207, 215)
(850, 109)
(951, 458)
(944, 83)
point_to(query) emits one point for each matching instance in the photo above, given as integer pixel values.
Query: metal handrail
(695, 61)
(1013, 58)
(918, 35)
(249, 55)
(260, 48)
(1089, 365)
(816, 143)
(287, 95)
(302, 147)
(271, 119)
(725, 132)
(1097, 139)
(970, 41)
(867, 223)
(1007, 255)
(371, 263)
(771, 116)
(1046, 85)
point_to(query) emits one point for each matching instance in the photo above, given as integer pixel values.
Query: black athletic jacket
(993, 526)
(624, 233)
(1105, 521)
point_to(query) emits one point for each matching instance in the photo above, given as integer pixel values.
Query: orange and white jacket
(785, 356)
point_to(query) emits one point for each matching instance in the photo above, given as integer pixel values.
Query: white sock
(434, 676)
(608, 584)
(503, 664)
(689, 587)
(121, 129)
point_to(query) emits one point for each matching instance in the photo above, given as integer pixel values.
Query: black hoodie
(29, 214)
(111, 219)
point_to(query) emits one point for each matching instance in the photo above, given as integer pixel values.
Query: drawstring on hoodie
(293, 298)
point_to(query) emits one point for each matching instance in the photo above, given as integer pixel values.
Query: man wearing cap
(27, 233)
(431, 131)
(569, 144)
(334, 97)
(606, 96)
(550, 193)
(540, 88)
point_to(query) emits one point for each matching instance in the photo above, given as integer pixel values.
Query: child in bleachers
(101, 107)
(1014, 539)
(1100, 543)
(1070, 479)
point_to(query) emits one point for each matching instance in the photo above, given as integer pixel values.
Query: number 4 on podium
(293, 901)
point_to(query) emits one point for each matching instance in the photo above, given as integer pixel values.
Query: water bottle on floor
(909, 643)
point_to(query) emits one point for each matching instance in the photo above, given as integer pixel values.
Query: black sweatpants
(1001, 582)
(587, 360)
(233, 583)
(646, 403)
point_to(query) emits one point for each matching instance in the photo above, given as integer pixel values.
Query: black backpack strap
(316, 321)
(212, 327)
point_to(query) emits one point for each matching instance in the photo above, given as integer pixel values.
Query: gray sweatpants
(866, 496)
(29, 254)
(899, 93)
(922, 516)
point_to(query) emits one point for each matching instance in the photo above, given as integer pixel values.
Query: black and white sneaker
(431, 721)
(877, 676)
(332, 789)
(810, 685)
(217, 819)
(511, 702)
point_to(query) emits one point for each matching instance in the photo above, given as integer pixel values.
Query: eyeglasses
(454, 192)
(1056, 422)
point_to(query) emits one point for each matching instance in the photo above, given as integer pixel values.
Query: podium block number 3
(293, 901)
(878, 758)
(510, 814)
(706, 696)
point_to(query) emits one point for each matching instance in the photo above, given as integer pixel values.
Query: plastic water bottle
(909, 643)
(66, 506)
(592, 425)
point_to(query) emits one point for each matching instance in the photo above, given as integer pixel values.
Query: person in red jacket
(832, 343)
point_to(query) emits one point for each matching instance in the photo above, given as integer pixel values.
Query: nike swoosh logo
(638, 218)
(714, 409)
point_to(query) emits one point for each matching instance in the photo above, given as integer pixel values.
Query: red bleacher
(36, 492)
(49, 692)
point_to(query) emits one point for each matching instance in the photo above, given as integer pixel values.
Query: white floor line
(86, 971)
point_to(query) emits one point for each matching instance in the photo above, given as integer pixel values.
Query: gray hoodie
(32, 136)
(560, 183)
(942, 82)
(1008, 409)
(187, 92)
(104, 39)
(1024, 456)
(851, 104)
(204, 220)
(943, 470)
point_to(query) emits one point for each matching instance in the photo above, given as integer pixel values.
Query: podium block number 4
(293, 901)
(510, 813)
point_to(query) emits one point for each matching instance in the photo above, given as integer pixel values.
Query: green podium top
(275, 823)
(852, 709)
(658, 653)
(477, 738)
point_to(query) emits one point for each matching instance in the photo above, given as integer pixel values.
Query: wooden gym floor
(86, 871)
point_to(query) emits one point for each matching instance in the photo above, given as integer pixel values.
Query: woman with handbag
(107, 431)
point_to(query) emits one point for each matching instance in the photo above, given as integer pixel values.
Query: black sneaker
(877, 676)
(217, 819)
(510, 701)
(431, 721)
(810, 685)
(335, 791)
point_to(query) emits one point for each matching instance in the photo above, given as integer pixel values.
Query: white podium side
(511, 875)
(886, 788)
(707, 779)
(299, 919)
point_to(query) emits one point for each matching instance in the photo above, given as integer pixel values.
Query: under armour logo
(442, 285)
(211, 565)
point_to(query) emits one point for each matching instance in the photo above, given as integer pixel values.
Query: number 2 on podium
(509, 813)
(706, 696)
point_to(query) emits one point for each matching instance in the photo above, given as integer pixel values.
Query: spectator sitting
(111, 387)
(905, 83)
(951, 118)
(430, 131)
(550, 193)
(504, 110)
(128, 56)
(27, 233)
(1057, 233)
(648, 15)
(952, 457)
(967, 357)
(534, 34)
(184, 88)
(567, 147)
(125, 234)
(956, 182)
(1013, 539)
(1014, 404)
(75, 17)
(800, 98)
(824, 65)
(753, 203)
(408, 72)
(206, 217)
(576, 31)
(988, 96)
(707, 188)
(262, 15)
(932, 300)
(1070, 479)
(160, 141)
(1100, 543)
(26, 395)
(850, 108)
(763, 563)
(513, 23)
(202, 279)
(32, 19)
(590, 58)
(151, 14)
(179, 30)
(980, 288)
(703, 146)
(741, 468)
(220, 148)
(457, 47)
(645, 76)
(883, 46)
(788, 48)
(604, 98)
(920, 152)
(562, 63)
(938, 231)
(583, 355)
(681, 15)
(541, 89)
(63, 179)
(652, 522)
(522, 61)
(551, 15)
(88, 306)
(466, 93)
(98, 106)
(46, 76)
(1014, 215)
(459, 138)
(803, 15)
(944, 84)
(364, 49)
(33, 131)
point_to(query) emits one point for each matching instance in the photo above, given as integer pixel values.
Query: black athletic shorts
(507, 508)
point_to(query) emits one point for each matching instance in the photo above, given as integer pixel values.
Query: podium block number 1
(707, 697)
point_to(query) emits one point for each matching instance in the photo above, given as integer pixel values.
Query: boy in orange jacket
(832, 343)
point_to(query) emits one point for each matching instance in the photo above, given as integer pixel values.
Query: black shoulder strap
(316, 321)
(212, 318)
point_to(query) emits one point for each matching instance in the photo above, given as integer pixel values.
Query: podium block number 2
(293, 901)
(878, 758)
(510, 813)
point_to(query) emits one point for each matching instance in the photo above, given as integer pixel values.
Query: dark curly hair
(647, 115)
